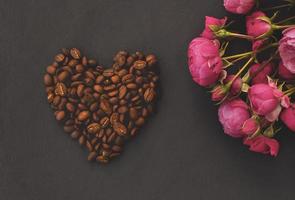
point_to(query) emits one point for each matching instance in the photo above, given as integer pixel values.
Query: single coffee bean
(60, 115)
(75, 53)
(48, 80)
(59, 57)
(83, 116)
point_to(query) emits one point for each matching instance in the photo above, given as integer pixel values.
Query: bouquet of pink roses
(253, 88)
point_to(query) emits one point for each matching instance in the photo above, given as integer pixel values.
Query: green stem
(278, 7)
(241, 71)
(222, 33)
(290, 91)
(277, 27)
(241, 36)
(243, 68)
(285, 20)
(238, 55)
(250, 52)
(234, 61)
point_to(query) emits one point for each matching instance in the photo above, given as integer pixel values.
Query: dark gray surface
(182, 153)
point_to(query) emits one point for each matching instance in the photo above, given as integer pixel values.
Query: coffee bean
(101, 107)
(120, 129)
(105, 106)
(93, 128)
(60, 89)
(59, 57)
(83, 116)
(51, 69)
(122, 92)
(70, 107)
(133, 113)
(63, 76)
(75, 53)
(139, 65)
(60, 115)
(149, 95)
(151, 60)
(48, 80)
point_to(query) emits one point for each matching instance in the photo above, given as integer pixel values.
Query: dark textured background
(182, 153)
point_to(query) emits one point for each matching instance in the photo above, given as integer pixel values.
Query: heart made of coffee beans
(101, 108)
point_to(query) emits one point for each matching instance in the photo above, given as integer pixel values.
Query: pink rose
(288, 117)
(265, 100)
(262, 144)
(258, 44)
(205, 63)
(250, 126)
(285, 73)
(256, 27)
(260, 76)
(287, 49)
(232, 115)
(211, 24)
(220, 91)
(239, 6)
(236, 85)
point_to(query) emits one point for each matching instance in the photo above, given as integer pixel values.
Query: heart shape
(101, 108)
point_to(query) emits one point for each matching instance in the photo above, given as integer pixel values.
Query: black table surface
(182, 153)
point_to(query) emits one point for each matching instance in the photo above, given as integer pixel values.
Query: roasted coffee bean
(51, 69)
(149, 95)
(48, 80)
(101, 107)
(50, 97)
(69, 129)
(139, 65)
(108, 72)
(104, 122)
(115, 118)
(70, 107)
(60, 89)
(122, 91)
(91, 156)
(105, 106)
(60, 115)
(151, 60)
(120, 129)
(133, 113)
(93, 128)
(59, 57)
(75, 53)
(83, 116)
(63, 76)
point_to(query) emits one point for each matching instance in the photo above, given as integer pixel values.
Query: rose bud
(285, 73)
(205, 63)
(258, 25)
(232, 115)
(218, 93)
(236, 85)
(262, 144)
(287, 49)
(250, 126)
(258, 44)
(239, 6)
(288, 117)
(230, 88)
(212, 25)
(260, 75)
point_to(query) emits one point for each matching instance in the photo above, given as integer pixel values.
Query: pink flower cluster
(258, 96)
